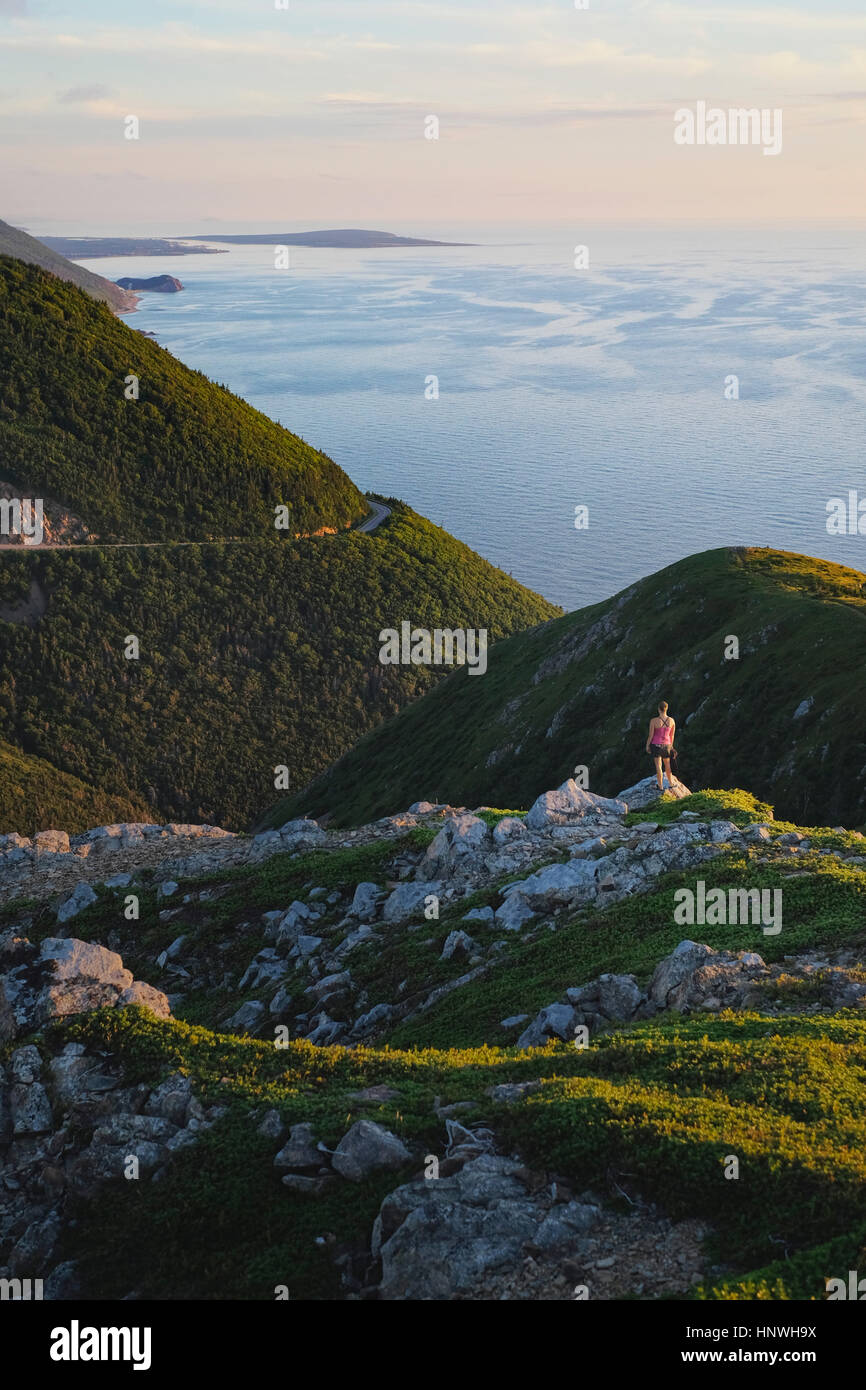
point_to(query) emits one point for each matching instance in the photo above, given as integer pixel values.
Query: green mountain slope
(186, 460)
(14, 242)
(252, 656)
(32, 790)
(256, 653)
(785, 718)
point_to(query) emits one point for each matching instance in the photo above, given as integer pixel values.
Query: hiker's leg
(668, 771)
(658, 763)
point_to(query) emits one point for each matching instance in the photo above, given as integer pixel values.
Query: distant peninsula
(92, 247)
(83, 248)
(344, 237)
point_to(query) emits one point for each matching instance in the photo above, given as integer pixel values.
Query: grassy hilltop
(785, 718)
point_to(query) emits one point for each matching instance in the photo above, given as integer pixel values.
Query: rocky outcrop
(439, 1238)
(571, 803)
(693, 978)
(68, 1125)
(645, 792)
(64, 976)
(460, 843)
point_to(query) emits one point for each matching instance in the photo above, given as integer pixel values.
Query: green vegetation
(186, 461)
(663, 1105)
(650, 1110)
(252, 657)
(826, 908)
(739, 807)
(32, 790)
(654, 1110)
(581, 690)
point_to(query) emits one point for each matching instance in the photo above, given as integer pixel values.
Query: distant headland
(85, 248)
(342, 237)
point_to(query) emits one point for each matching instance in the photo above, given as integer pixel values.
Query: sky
(253, 116)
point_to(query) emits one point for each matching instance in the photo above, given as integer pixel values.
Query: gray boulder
(558, 885)
(618, 996)
(327, 1031)
(367, 1148)
(514, 912)
(248, 1017)
(458, 943)
(610, 998)
(146, 997)
(300, 1150)
(30, 1109)
(645, 792)
(82, 896)
(480, 914)
(408, 900)
(366, 901)
(554, 1021)
(305, 946)
(51, 842)
(67, 976)
(293, 921)
(509, 828)
(374, 1018)
(26, 1065)
(440, 1238)
(723, 830)
(570, 804)
(172, 1100)
(694, 976)
(564, 1225)
(458, 846)
(263, 969)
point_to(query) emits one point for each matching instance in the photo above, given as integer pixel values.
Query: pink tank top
(662, 734)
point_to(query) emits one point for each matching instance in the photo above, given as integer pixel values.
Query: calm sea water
(601, 387)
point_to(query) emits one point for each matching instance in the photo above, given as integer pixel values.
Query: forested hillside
(252, 656)
(186, 460)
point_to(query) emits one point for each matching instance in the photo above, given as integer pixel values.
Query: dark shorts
(660, 750)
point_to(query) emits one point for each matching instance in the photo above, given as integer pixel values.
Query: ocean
(498, 389)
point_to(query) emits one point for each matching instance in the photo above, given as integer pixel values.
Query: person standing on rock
(660, 742)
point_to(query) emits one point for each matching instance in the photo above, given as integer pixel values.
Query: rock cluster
(68, 1125)
(64, 976)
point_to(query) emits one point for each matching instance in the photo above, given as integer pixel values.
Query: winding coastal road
(378, 513)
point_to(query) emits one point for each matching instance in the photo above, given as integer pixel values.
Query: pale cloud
(599, 53)
(817, 20)
(76, 95)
